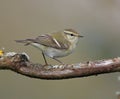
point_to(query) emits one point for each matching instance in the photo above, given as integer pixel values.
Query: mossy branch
(20, 63)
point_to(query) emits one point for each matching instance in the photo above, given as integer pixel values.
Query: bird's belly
(52, 52)
(56, 53)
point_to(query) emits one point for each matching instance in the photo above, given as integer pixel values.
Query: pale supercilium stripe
(68, 32)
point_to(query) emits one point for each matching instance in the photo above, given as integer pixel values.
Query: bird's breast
(53, 52)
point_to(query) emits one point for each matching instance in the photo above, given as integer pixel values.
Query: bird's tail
(26, 42)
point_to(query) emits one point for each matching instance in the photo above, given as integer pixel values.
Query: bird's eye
(71, 34)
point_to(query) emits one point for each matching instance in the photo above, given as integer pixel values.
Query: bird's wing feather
(46, 40)
(49, 41)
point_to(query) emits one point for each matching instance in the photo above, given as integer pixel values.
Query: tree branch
(20, 63)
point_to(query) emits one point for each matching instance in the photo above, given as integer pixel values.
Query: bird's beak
(80, 36)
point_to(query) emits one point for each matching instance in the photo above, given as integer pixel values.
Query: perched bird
(55, 45)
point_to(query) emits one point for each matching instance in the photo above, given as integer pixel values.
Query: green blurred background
(97, 20)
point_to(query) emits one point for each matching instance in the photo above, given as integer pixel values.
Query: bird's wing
(49, 41)
(46, 40)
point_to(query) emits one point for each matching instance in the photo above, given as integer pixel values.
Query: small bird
(55, 45)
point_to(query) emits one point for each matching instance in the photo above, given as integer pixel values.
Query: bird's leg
(46, 64)
(58, 60)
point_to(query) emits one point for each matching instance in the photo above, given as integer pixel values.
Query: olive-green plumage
(54, 45)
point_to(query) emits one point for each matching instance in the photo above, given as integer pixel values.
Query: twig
(20, 63)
